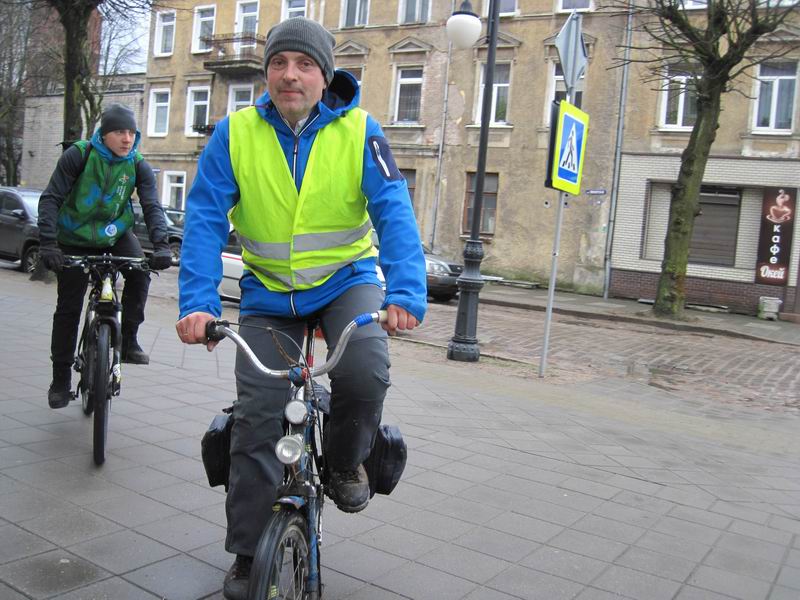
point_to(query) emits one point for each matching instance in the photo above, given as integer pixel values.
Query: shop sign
(775, 240)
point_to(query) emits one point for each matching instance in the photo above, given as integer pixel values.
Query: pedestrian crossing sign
(567, 149)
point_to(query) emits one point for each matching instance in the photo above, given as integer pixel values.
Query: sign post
(568, 127)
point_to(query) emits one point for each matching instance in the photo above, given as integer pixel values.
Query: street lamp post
(461, 27)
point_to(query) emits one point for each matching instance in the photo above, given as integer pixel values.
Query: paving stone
(51, 573)
(789, 577)
(132, 510)
(626, 514)
(70, 526)
(115, 588)
(693, 593)
(656, 563)
(371, 592)
(122, 551)
(782, 593)
(732, 584)
(595, 594)
(8, 594)
(761, 532)
(742, 563)
(636, 584)
(29, 503)
(438, 526)
(702, 517)
(183, 532)
(588, 545)
(186, 496)
(178, 578)
(751, 546)
(18, 543)
(484, 593)
(497, 543)
(527, 527)
(350, 559)
(563, 563)
(608, 528)
(464, 563)
(402, 542)
(465, 510)
(534, 585)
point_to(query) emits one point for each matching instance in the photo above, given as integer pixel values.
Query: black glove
(51, 256)
(161, 258)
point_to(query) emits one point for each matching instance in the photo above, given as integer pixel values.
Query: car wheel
(30, 258)
(175, 249)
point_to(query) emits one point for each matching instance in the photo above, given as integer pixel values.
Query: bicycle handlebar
(72, 260)
(218, 329)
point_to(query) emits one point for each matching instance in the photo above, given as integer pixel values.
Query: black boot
(237, 577)
(132, 352)
(350, 489)
(59, 394)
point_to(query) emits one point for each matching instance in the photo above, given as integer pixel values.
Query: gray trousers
(358, 387)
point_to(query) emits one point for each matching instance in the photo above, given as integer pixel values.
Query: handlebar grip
(383, 316)
(213, 330)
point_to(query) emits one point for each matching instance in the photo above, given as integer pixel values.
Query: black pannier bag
(386, 460)
(215, 448)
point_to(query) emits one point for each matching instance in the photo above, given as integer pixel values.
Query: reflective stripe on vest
(291, 240)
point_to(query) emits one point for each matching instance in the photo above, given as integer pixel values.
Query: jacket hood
(108, 155)
(341, 95)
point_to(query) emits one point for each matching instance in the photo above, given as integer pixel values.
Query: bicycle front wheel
(281, 564)
(101, 391)
(87, 374)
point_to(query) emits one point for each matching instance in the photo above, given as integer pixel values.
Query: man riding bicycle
(86, 209)
(303, 177)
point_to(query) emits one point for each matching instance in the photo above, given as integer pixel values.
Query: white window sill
(769, 133)
(202, 51)
(508, 126)
(156, 135)
(162, 55)
(401, 125)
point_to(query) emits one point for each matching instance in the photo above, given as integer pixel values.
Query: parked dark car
(19, 232)
(442, 276)
(174, 231)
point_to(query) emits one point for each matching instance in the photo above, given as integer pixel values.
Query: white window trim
(196, 28)
(166, 188)
(552, 85)
(479, 103)
(681, 104)
(401, 10)
(694, 4)
(233, 88)
(560, 7)
(773, 108)
(151, 112)
(501, 14)
(343, 14)
(159, 32)
(285, 10)
(188, 124)
(239, 21)
(396, 107)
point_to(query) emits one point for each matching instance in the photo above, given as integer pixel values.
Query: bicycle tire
(87, 374)
(281, 563)
(101, 391)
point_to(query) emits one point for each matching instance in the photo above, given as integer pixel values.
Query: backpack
(67, 145)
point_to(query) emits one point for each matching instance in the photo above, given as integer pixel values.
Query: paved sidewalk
(514, 489)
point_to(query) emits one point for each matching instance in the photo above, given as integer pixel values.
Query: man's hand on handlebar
(192, 329)
(399, 318)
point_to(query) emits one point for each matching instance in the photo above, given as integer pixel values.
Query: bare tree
(711, 48)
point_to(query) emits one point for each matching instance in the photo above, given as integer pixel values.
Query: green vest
(97, 211)
(291, 240)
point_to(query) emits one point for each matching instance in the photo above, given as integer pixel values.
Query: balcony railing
(235, 54)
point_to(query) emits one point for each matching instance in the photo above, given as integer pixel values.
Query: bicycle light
(295, 412)
(106, 294)
(289, 448)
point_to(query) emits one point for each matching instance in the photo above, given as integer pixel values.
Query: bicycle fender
(297, 501)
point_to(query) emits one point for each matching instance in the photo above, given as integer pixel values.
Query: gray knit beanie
(299, 34)
(116, 117)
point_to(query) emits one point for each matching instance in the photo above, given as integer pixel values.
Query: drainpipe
(612, 209)
(439, 159)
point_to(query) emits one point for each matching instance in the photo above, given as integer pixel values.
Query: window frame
(197, 25)
(402, 9)
(190, 106)
(697, 235)
(343, 14)
(166, 188)
(469, 193)
(681, 113)
(493, 122)
(399, 82)
(589, 8)
(557, 81)
(233, 88)
(485, 9)
(775, 79)
(152, 109)
(285, 10)
(158, 36)
(412, 186)
(238, 25)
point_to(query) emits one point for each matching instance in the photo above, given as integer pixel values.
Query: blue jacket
(215, 191)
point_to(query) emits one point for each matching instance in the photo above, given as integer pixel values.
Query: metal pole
(464, 344)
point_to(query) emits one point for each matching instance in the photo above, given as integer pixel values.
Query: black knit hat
(116, 117)
(299, 34)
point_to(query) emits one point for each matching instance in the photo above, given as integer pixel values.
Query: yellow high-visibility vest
(291, 240)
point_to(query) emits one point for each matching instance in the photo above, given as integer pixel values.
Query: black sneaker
(349, 489)
(132, 353)
(237, 577)
(59, 394)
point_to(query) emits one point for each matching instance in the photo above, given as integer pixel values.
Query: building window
(691, 4)
(507, 7)
(204, 17)
(246, 24)
(173, 191)
(196, 109)
(500, 89)
(158, 115)
(239, 96)
(408, 95)
(410, 176)
(716, 228)
(777, 82)
(560, 87)
(294, 8)
(354, 12)
(570, 5)
(165, 34)
(679, 98)
(414, 11)
(356, 72)
(489, 208)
